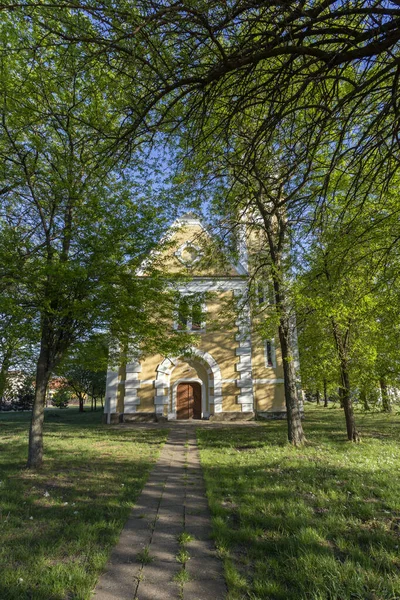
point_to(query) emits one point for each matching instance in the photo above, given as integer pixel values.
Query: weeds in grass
(144, 556)
(183, 556)
(185, 538)
(182, 577)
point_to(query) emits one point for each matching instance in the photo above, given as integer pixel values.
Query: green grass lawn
(318, 523)
(57, 526)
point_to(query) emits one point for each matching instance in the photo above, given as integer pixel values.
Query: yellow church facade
(229, 372)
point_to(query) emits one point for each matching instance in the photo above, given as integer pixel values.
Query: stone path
(165, 551)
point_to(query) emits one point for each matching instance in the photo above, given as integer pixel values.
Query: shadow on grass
(59, 524)
(321, 522)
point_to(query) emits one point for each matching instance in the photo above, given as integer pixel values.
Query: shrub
(61, 398)
(25, 395)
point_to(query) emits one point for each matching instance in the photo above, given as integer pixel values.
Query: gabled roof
(191, 238)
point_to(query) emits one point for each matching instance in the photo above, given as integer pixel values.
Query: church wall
(204, 268)
(146, 395)
(270, 397)
(260, 369)
(219, 337)
(227, 339)
(229, 397)
(149, 367)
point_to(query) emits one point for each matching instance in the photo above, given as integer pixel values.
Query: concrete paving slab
(199, 533)
(202, 589)
(201, 549)
(172, 501)
(119, 583)
(153, 591)
(204, 568)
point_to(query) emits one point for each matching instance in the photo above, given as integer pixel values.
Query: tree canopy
(287, 110)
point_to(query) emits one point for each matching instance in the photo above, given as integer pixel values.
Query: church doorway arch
(211, 388)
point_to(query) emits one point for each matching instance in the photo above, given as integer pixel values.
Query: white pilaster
(132, 384)
(245, 378)
(111, 391)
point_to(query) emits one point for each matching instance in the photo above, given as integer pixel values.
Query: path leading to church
(165, 551)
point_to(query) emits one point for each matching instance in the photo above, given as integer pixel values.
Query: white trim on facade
(132, 384)
(166, 367)
(244, 366)
(200, 285)
(182, 248)
(111, 393)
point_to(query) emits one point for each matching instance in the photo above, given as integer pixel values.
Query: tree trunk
(81, 399)
(275, 227)
(325, 395)
(386, 405)
(43, 372)
(318, 398)
(352, 433)
(364, 399)
(344, 390)
(295, 428)
(5, 365)
(340, 394)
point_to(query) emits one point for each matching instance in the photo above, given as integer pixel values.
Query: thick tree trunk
(318, 398)
(295, 428)
(386, 405)
(43, 372)
(325, 394)
(81, 399)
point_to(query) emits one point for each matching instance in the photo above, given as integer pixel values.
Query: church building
(231, 372)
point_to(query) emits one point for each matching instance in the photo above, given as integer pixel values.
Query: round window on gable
(189, 254)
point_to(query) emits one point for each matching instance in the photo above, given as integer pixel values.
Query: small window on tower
(265, 293)
(261, 296)
(269, 353)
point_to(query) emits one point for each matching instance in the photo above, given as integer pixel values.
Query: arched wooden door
(188, 400)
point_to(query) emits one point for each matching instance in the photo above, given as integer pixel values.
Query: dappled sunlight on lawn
(320, 522)
(58, 525)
